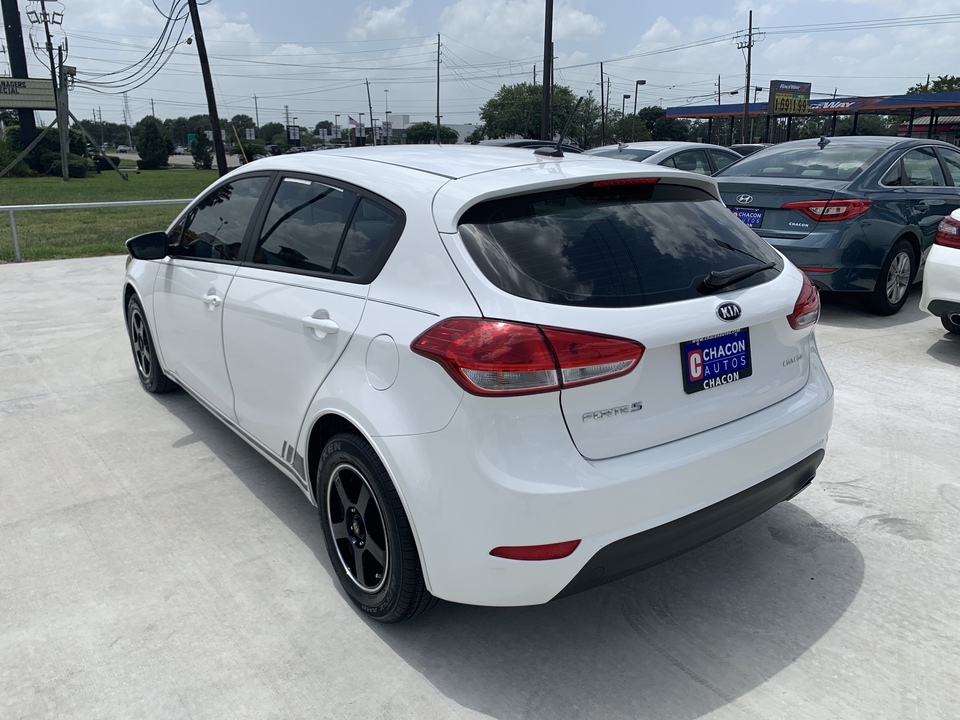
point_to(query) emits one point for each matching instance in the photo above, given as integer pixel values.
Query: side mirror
(148, 246)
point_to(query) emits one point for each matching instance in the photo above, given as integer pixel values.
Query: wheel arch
(324, 427)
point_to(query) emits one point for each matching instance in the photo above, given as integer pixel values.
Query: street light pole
(386, 113)
(623, 109)
(633, 126)
(336, 127)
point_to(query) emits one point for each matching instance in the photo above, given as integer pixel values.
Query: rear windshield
(625, 154)
(621, 246)
(832, 162)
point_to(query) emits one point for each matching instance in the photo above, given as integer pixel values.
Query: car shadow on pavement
(847, 310)
(679, 640)
(946, 349)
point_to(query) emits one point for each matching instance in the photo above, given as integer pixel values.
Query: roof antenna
(556, 151)
(823, 142)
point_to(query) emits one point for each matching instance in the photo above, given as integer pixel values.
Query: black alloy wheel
(144, 354)
(367, 534)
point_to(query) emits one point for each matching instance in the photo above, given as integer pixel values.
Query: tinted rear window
(832, 162)
(624, 246)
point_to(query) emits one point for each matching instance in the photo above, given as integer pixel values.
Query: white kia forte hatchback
(502, 377)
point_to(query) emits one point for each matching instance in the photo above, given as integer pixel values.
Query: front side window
(214, 229)
(922, 169)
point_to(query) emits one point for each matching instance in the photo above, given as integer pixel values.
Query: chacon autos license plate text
(716, 360)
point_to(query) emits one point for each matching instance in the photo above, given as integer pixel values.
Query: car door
(293, 307)
(193, 282)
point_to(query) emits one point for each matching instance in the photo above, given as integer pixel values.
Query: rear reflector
(495, 357)
(948, 233)
(830, 210)
(806, 311)
(818, 269)
(554, 551)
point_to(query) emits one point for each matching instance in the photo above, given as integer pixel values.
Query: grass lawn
(49, 234)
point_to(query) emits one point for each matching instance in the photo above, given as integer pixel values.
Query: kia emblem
(729, 312)
(744, 199)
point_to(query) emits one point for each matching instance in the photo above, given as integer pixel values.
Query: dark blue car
(857, 214)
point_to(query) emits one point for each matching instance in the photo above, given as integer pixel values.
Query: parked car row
(856, 214)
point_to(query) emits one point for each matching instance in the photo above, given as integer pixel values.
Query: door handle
(321, 326)
(212, 300)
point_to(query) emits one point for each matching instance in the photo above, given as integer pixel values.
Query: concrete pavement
(152, 565)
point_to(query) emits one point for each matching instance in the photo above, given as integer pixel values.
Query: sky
(313, 60)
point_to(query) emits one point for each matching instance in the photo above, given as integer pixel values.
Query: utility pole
(61, 115)
(748, 44)
(547, 71)
(534, 75)
(256, 112)
(63, 119)
(373, 123)
(438, 88)
(153, 108)
(18, 64)
(208, 88)
(603, 111)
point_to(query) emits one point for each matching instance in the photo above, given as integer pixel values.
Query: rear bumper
(849, 261)
(941, 281)
(495, 478)
(645, 549)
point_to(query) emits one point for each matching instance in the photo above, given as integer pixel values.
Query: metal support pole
(17, 257)
(547, 72)
(913, 112)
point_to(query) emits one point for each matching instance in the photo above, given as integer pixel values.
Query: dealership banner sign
(789, 98)
(26, 94)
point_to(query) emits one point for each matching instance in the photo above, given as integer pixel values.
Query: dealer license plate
(716, 360)
(752, 217)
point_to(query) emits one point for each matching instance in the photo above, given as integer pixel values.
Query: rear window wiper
(718, 279)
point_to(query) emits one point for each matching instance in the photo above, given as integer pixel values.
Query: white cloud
(371, 22)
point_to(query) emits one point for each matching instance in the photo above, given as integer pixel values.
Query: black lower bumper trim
(643, 550)
(943, 307)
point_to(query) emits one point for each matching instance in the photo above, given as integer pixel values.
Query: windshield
(833, 162)
(625, 154)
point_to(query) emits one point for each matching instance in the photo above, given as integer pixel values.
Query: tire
(949, 325)
(144, 352)
(895, 280)
(367, 534)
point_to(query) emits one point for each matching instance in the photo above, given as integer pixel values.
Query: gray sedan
(700, 158)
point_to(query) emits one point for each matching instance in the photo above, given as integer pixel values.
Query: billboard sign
(789, 98)
(26, 94)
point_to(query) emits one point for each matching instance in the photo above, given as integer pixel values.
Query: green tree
(426, 132)
(200, 150)
(270, 130)
(241, 122)
(944, 83)
(154, 145)
(515, 110)
(479, 133)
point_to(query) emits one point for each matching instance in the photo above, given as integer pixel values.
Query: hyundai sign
(26, 94)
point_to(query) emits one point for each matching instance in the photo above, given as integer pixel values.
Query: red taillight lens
(948, 233)
(554, 551)
(493, 357)
(830, 210)
(806, 311)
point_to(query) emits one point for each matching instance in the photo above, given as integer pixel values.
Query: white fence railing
(12, 209)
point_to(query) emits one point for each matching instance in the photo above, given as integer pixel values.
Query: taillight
(948, 233)
(553, 551)
(495, 357)
(806, 311)
(830, 210)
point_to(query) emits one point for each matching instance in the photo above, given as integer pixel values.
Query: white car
(700, 158)
(502, 377)
(941, 274)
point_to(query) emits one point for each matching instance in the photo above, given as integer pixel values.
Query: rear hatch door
(629, 262)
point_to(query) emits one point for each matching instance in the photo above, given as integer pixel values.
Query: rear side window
(620, 246)
(372, 227)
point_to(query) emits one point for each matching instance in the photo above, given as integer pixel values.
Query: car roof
(885, 141)
(456, 177)
(660, 145)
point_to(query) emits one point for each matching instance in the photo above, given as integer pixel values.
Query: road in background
(154, 565)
